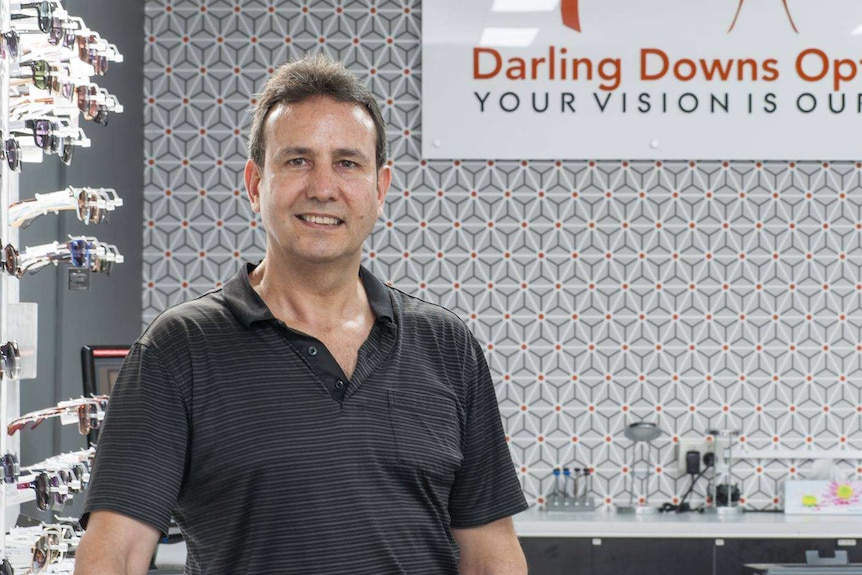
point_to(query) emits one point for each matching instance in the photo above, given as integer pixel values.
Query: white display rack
(75, 65)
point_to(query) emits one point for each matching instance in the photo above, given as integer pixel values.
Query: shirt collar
(378, 296)
(249, 307)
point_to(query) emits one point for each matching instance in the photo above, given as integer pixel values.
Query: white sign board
(642, 79)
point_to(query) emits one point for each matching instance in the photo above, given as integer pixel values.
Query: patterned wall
(691, 294)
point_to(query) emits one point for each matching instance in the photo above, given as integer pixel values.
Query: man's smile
(322, 220)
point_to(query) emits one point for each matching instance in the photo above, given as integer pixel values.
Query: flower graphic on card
(843, 493)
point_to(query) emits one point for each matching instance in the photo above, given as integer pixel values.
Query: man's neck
(311, 296)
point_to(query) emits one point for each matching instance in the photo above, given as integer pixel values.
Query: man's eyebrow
(291, 151)
(294, 151)
(350, 153)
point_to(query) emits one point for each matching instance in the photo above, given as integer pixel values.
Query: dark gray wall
(110, 313)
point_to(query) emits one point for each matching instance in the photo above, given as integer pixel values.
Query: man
(306, 418)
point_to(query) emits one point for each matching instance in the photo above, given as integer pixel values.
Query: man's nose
(323, 184)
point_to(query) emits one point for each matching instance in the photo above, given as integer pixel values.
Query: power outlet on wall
(687, 444)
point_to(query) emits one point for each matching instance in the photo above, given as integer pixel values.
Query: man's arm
(491, 549)
(115, 545)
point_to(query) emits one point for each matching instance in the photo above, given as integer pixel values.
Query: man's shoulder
(414, 311)
(200, 315)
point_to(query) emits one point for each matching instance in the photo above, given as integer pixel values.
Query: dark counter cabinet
(665, 556)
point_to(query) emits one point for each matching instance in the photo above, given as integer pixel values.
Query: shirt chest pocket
(427, 431)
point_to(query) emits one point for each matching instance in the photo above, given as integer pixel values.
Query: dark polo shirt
(273, 461)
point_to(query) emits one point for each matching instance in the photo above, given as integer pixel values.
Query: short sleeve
(141, 455)
(486, 487)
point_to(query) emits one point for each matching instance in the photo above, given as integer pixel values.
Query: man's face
(319, 193)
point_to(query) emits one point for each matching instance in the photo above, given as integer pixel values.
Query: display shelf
(753, 524)
(15, 496)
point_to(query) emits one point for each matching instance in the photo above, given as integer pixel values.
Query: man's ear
(252, 184)
(384, 179)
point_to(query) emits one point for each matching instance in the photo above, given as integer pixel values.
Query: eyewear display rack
(48, 60)
(12, 311)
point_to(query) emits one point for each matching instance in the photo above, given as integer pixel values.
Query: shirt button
(312, 350)
(339, 384)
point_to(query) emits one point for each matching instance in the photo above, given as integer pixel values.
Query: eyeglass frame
(44, 14)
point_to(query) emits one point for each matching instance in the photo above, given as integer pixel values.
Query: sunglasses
(44, 14)
(90, 253)
(79, 472)
(41, 486)
(15, 155)
(64, 31)
(91, 49)
(88, 412)
(12, 152)
(55, 79)
(11, 469)
(91, 205)
(40, 73)
(94, 206)
(51, 547)
(9, 44)
(90, 417)
(48, 135)
(44, 133)
(10, 357)
(11, 261)
(81, 252)
(58, 484)
(90, 106)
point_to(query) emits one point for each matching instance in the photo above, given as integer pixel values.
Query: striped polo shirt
(272, 461)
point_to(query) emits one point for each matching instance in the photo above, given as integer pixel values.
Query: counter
(536, 523)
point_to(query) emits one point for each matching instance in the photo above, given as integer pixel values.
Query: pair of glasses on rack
(10, 360)
(81, 252)
(10, 467)
(51, 490)
(50, 134)
(55, 487)
(76, 463)
(91, 205)
(52, 77)
(42, 15)
(87, 412)
(53, 544)
(92, 101)
(76, 476)
(95, 103)
(96, 51)
(62, 33)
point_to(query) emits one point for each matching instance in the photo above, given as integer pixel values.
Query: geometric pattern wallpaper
(695, 295)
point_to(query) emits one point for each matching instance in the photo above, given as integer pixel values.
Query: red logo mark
(739, 8)
(571, 15)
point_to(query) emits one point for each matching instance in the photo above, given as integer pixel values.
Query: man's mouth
(321, 220)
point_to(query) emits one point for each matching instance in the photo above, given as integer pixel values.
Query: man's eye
(296, 162)
(347, 164)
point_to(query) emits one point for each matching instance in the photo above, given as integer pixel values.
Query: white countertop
(597, 524)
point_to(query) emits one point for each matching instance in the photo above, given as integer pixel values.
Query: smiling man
(306, 418)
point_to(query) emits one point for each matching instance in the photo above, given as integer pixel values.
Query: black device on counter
(692, 467)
